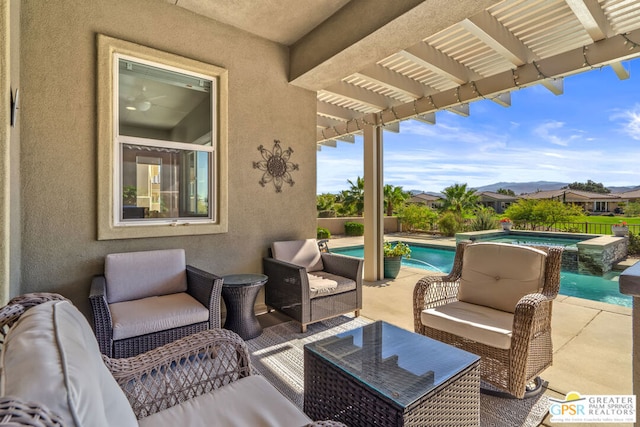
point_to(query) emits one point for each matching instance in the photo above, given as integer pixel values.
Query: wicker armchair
(309, 285)
(148, 299)
(496, 303)
(153, 383)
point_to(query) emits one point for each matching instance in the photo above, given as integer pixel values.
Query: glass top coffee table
(380, 374)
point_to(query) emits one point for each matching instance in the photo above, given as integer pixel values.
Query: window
(162, 143)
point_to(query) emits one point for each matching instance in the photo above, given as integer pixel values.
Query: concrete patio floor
(592, 340)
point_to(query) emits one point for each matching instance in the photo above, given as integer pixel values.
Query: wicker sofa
(52, 374)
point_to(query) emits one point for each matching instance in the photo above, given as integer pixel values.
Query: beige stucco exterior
(56, 202)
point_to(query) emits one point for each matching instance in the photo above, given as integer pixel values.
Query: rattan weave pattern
(330, 393)
(531, 350)
(15, 412)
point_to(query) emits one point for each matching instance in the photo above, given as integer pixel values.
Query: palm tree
(459, 200)
(354, 196)
(394, 197)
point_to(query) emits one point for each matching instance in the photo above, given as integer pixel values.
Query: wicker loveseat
(52, 374)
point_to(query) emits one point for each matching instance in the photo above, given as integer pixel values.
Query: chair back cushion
(304, 253)
(136, 275)
(497, 275)
(51, 357)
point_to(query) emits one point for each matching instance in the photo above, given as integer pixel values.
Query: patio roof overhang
(375, 62)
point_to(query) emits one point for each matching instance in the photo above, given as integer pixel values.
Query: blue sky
(592, 131)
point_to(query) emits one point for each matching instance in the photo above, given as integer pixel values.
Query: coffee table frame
(330, 393)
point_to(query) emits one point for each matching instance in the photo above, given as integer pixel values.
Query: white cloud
(631, 121)
(550, 132)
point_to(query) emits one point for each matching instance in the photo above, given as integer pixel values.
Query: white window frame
(110, 224)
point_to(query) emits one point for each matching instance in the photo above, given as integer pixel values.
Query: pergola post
(629, 283)
(373, 204)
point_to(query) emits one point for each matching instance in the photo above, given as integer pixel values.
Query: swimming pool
(596, 288)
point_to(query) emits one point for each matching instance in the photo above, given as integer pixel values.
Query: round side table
(239, 292)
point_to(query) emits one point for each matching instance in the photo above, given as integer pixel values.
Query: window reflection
(161, 113)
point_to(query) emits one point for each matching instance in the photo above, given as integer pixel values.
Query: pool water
(595, 288)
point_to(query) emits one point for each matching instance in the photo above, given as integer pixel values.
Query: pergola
(375, 63)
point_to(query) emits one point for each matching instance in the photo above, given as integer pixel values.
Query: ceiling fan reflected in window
(141, 102)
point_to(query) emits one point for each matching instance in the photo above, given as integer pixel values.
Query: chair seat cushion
(474, 322)
(51, 356)
(322, 284)
(497, 275)
(153, 314)
(250, 401)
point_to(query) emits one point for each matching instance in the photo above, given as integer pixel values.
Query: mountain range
(532, 187)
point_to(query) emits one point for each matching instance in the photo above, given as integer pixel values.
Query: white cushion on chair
(153, 314)
(497, 275)
(136, 275)
(51, 356)
(475, 322)
(304, 253)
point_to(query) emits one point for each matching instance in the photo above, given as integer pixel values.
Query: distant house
(630, 196)
(497, 201)
(589, 201)
(426, 199)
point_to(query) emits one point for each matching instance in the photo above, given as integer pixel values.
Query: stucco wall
(60, 252)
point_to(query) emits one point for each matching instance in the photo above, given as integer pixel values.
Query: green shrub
(484, 220)
(323, 233)
(415, 217)
(353, 229)
(634, 244)
(449, 224)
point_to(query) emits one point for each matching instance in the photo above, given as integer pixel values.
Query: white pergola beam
(327, 122)
(604, 52)
(620, 71)
(591, 17)
(330, 143)
(461, 109)
(503, 99)
(492, 33)
(396, 81)
(351, 139)
(556, 86)
(428, 118)
(360, 95)
(436, 61)
(334, 111)
(392, 127)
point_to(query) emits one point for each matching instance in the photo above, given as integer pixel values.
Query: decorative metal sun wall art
(276, 166)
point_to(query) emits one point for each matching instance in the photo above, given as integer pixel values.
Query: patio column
(373, 204)
(5, 133)
(630, 285)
